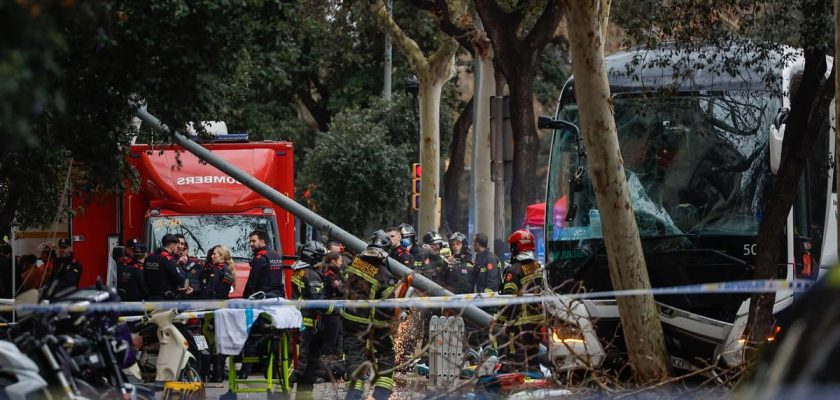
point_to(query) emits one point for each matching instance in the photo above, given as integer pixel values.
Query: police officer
(193, 268)
(266, 268)
(131, 281)
(128, 257)
(308, 284)
(164, 278)
(219, 274)
(460, 272)
(489, 277)
(67, 270)
(369, 331)
(522, 322)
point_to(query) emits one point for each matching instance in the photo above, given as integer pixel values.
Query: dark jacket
(430, 265)
(67, 273)
(163, 276)
(523, 276)
(403, 255)
(369, 278)
(266, 274)
(216, 282)
(131, 280)
(307, 284)
(489, 276)
(194, 271)
(335, 285)
(460, 275)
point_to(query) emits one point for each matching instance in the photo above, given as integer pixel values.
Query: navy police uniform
(216, 282)
(163, 276)
(131, 281)
(266, 274)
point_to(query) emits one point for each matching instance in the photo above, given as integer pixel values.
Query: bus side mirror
(777, 137)
(551, 123)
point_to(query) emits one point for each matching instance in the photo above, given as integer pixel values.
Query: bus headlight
(566, 334)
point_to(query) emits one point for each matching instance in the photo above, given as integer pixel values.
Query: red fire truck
(178, 193)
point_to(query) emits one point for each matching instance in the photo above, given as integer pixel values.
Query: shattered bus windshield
(695, 163)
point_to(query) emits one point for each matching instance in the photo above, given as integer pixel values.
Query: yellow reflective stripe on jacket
(384, 382)
(530, 278)
(388, 291)
(354, 318)
(309, 322)
(299, 283)
(330, 309)
(364, 276)
(489, 291)
(511, 286)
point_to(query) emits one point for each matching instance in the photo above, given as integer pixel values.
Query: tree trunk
(432, 73)
(484, 191)
(525, 146)
(455, 172)
(430, 90)
(809, 111)
(639, 317)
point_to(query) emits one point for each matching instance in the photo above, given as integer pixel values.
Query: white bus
(700, 150)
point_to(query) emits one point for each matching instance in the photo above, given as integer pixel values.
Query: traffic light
(415, 186)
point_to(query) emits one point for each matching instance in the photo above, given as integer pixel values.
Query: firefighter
(335, 288)
(164, 278)
(131, 281)
(405, 251)
(369, 331)
(429, 262)
(266, 268)
(460, 275)
(522, 322)
(67, 270)
(308, 284)
(489, 277)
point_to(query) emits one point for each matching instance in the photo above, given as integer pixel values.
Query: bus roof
(738, 67)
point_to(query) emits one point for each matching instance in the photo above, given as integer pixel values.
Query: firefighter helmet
(432, 237)
(459, 237)
(312, 252)
(521, 241)
(406, 230)
(380, 240)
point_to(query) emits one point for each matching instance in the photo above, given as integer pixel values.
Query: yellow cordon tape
(454, 301)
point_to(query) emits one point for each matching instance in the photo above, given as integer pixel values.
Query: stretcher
(270, 345)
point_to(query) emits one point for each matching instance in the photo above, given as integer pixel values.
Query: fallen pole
(471, 313)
